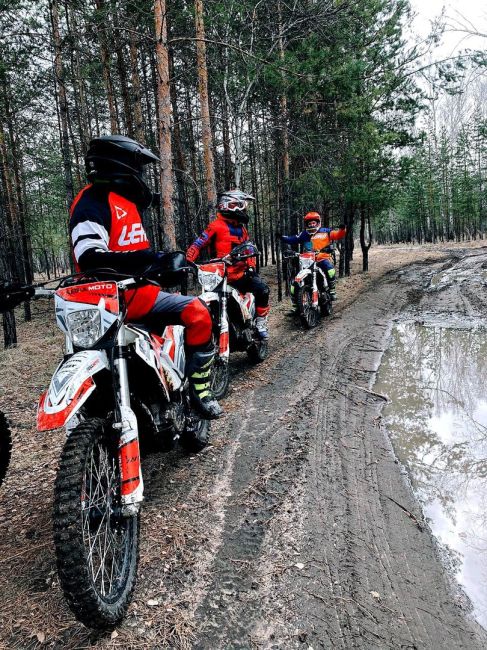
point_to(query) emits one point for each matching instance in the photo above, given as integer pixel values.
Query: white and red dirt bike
(233, 315)
(120, 387)
(309, 288)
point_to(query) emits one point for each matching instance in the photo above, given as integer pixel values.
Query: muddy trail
(297, 528)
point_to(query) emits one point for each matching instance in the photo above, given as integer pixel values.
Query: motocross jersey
(321, 239)
(222, 235)
(102, 221)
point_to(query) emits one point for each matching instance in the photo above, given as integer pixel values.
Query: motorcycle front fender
(301, 276)
(70, 387)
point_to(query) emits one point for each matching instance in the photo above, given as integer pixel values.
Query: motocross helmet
(309, 219)
(232, 204)
(120, 161)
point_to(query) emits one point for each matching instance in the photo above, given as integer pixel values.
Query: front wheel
(258, 350)
(97, 549)
(220, 377)
(308, 314)
(5, 446)
(196, 434)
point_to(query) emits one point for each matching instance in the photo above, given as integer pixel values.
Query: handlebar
(13, 294)
(228, 259)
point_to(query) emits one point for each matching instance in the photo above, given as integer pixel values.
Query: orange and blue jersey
(322, 238)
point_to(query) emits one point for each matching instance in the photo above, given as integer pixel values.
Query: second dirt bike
(309, 289)
(233, 314)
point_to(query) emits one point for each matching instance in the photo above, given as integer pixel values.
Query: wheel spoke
(104, 538)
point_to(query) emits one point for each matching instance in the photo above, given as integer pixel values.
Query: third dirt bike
(309, 289)
(233, 315)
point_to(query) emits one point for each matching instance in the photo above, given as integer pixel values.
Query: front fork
(132, 484)
(224, 340)
(315, 289)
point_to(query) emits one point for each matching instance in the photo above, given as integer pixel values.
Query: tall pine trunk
(164, 119)
(105, 62)
(62, 102)
(206, 135)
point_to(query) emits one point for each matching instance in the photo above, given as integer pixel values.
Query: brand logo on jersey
(120, 212)
(136, 235)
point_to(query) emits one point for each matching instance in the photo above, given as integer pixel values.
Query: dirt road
(296, 529)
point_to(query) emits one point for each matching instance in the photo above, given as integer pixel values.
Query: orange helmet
(310, 217)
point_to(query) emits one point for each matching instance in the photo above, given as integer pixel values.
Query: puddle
(435, 376)
(455, 275)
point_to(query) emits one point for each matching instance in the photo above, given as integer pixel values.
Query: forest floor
(296, 528)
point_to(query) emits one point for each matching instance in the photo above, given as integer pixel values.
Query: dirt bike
(309, 289)
(119, 384)
(233, 315)
(5, 446)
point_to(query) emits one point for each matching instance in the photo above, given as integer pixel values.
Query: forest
(324, 105)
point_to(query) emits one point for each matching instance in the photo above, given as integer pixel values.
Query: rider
(107, 232)
(316, 238)
(228, 230)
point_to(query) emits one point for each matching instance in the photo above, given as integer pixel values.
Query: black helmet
(232, 204)
(121, 161)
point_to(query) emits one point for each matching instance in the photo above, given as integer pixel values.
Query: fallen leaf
(375, 594)
(114, 634)
(152, 602)
(41, 637)
(299, 565)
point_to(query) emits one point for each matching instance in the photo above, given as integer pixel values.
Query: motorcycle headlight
(84, 327)
(209, 281)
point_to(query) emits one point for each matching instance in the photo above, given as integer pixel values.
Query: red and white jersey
(101, 221)
(105, 222)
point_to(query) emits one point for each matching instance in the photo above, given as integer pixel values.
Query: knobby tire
(82, 513)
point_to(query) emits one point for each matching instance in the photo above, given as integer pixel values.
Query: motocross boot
(199, 376)
(261, 326)
(332, 286)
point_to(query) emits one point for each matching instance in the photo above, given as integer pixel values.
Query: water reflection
(435, 377)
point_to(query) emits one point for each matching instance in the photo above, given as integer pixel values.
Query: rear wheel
(326, 306)
(5, 446)
(308, 314)
(97, 549)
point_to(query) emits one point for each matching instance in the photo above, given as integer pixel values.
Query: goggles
(233, 206)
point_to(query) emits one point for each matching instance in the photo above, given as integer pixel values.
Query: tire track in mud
(312, 548)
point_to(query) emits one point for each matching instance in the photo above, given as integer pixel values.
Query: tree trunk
(365, 227)
(136, 90)
(105, 62)
(82, 112)
(227, 156)
(62, 100)
(285, 221)
(205, 109)
(122, 69)
(164, 119)
(181, 169)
